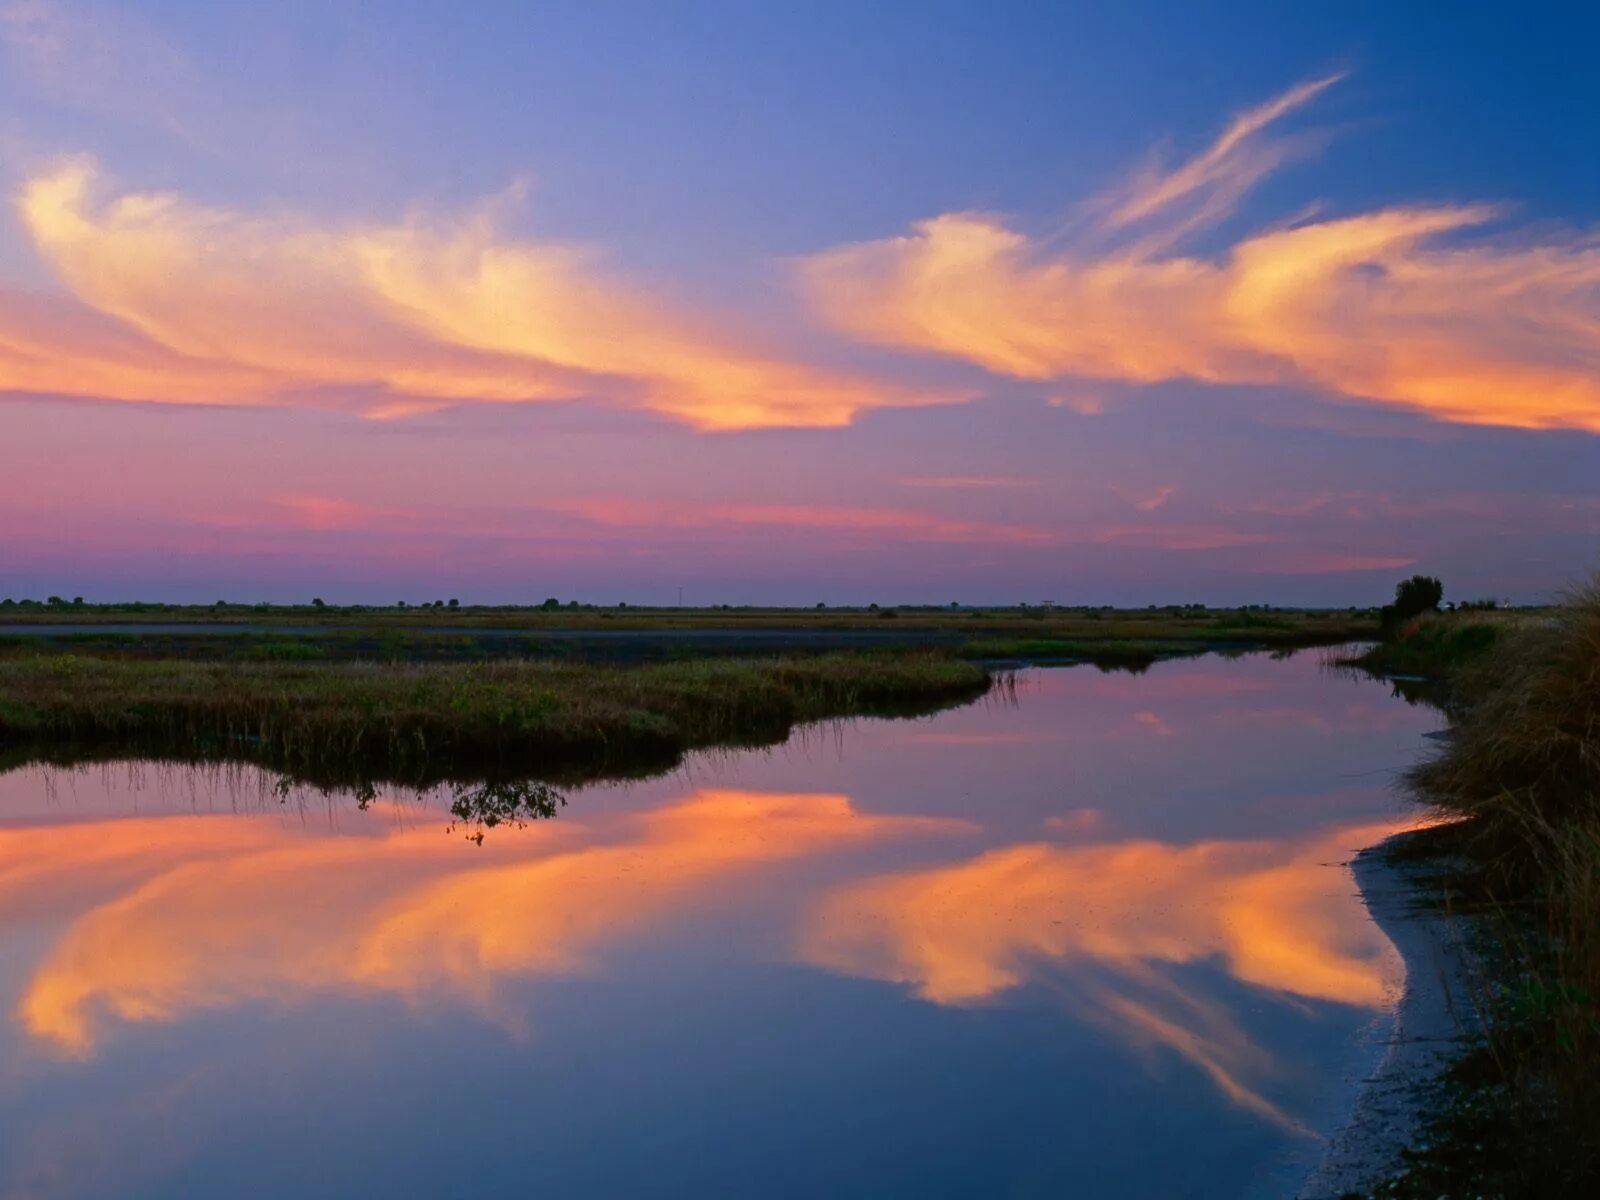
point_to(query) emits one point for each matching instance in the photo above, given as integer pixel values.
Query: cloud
(191, 913)
(1156, 498)
(189, 304)
(1270, 913)
(327, 512)
(1154, 723)
(1336, 564)
(895, 524)
(1213, 183)
(1392, 306)
(962, 933)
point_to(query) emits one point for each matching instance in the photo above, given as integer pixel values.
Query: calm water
(1095, 943)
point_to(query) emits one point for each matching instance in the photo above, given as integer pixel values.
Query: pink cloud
(896, 523)
(1334, 564)
(327, 512)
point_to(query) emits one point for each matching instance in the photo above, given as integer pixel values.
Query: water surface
(1096, 942)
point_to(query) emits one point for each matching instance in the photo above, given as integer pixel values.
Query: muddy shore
(1434, 1010)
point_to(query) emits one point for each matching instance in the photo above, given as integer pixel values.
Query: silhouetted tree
(316, 602)
(1417, 595)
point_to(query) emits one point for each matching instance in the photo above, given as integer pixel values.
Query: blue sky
(672, 258)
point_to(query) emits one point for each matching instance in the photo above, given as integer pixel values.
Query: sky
(842, 303)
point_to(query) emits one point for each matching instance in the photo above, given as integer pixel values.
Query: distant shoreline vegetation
(346, 699)
(556, 613)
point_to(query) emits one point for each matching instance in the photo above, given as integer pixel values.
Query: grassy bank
(1519, 1115)
(1437, 646)
(1109, 638)
(416, 723)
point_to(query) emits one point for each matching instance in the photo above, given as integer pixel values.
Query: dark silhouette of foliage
(481, 807)
(1412, 597)
(1417, 595)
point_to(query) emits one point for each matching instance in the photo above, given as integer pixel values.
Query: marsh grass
(1437, 646)
(1522, 774)
(352, 723)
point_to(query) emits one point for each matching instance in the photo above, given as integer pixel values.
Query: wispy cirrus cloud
(1391, 306)
(192, 304)
(1212, 184)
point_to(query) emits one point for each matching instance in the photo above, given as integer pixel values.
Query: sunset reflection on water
(1041, 865)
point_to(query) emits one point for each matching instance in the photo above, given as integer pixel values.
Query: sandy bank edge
(1434, 1009)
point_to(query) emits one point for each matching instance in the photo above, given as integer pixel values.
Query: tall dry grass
(1523, 771)
(1524, 762)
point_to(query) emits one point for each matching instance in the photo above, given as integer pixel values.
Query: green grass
(1436, 646)
(355, 723)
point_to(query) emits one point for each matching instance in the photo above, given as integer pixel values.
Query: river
(1094, 939)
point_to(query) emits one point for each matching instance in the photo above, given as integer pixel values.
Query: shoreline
(1434, 1010)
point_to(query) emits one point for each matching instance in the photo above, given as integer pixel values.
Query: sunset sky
(849, 302)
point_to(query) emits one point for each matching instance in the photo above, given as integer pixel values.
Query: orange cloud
(966, 932)
(1273, 914)
(1378, 307)
(244, 909)
(231, 308)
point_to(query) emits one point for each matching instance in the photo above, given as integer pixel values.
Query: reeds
(1522, 771)
(415, 723)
